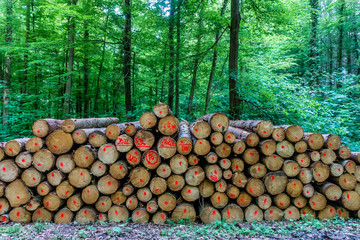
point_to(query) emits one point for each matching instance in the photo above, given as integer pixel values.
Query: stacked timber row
(160, 168)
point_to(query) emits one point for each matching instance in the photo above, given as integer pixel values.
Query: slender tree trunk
(196, 64)
(127, 57)
(133, 78)
(356, 50)
(27, 40)
(233, 58)
(86, 71)
(97, 94)
(33, 39)
(348, 53)
(67, 102)
(7, 68)
(341, 33)
(171, 54)
(178, 45)
(214, 60)
(163, 76)
(314, 54)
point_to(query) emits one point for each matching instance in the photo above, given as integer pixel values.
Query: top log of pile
(159, 168)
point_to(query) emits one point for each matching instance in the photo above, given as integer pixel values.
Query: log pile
(160, 168)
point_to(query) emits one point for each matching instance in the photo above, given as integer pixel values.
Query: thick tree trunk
(127, 56)
(85, 91)
(7, 68)
(27, 39)
(171, 54)
(313, 63)
(341, 34)
(233, 58)
(214, 60)
(70, 69)
(196, 63)
(178, 45)
(163, 75)
(356, 50)
(97, 92)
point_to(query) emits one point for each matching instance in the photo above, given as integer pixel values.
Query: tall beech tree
(234, 99)
(127, 57)
(214, 58)
(70, 70)
(7, 68)
(171, 54)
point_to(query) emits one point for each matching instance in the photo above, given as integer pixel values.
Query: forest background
(288, 61)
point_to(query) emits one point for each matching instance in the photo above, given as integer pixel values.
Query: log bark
(34, 144)
(98, 169)
(216, 138)
(114, 130)
(140, 215)
(161, 110)
(200, 129)
(263, 128)
(43, 127)
(293, 133)
(9, 170)
(81, 136)
(315, 141)
(253, 213)
(14, 147)
(332, 142)
(267, 147)
(251, 139)
(97, 138)
(23, 160)
(344, 152)
(278, 133)
(69, 125)
(118, 214)
(44, 188)
(184, 141)
(327, 156)
(301, 147)
(219, 122)
(209, 214)
(148, 120)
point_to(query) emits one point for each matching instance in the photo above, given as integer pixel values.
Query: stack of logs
(158, 168)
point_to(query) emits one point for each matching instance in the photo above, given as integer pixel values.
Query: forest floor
(311, 229)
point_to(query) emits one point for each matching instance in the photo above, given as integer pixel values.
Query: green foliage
(275, 78)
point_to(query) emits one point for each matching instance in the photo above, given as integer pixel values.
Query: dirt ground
(311, 229)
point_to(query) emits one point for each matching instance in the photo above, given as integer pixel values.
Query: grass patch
(185, 229)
